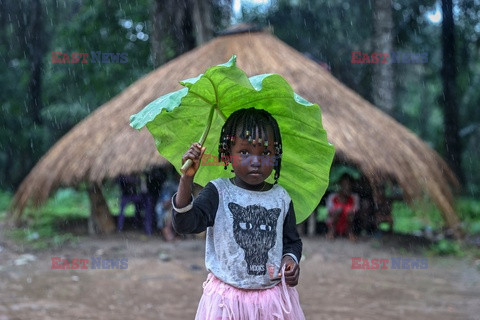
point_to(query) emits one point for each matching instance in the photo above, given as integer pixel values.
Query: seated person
(342, 206)
(163, 207)
(365, 217)
(384, 205)
(129, 185)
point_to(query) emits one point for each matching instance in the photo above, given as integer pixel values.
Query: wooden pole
(99, 211)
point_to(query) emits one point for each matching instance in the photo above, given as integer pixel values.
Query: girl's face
(252, 164)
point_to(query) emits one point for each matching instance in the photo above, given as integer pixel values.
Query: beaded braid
(249, 120)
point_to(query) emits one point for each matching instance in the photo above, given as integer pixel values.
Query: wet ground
(164, 281)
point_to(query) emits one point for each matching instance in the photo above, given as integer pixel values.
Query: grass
(43, 226)
(5, 198)
(415, 218)
(424, 214)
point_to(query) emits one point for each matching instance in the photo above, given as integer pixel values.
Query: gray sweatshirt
(248, 232)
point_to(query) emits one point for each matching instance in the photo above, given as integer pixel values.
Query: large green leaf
(178, 119)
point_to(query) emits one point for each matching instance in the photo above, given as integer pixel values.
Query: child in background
(252, 245)
(342, 206)
(163, 207)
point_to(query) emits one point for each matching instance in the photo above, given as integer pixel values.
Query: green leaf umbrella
(197, 113)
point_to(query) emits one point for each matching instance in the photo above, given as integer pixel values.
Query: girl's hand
(184, 192)
(195, 153)
(292, 270)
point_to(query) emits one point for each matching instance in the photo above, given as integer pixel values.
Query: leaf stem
(209, 124)
(220, 113)
(189, 162)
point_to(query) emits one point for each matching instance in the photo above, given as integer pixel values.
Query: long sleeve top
(248, 232)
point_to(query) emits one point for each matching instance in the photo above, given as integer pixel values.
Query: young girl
(252, 245)
(342, 207)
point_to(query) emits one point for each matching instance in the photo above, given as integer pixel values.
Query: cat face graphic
(255, 231)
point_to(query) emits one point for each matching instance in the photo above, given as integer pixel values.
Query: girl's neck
(264, 186)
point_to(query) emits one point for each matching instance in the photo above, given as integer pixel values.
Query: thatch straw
(104, 145)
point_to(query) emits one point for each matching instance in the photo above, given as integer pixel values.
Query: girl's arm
(199, 214)
(292, 248)
(292, 244)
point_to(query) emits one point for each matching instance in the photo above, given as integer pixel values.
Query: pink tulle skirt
(221, 301)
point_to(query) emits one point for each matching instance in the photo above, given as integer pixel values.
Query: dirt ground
(164, 281)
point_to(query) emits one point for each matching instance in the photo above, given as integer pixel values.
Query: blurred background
(437, 100)
(42, 101)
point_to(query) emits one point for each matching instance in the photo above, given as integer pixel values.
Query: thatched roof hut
(104, 145)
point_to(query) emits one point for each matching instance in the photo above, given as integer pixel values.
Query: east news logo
(396, 263)
(82, 57)
(393, 57)
(94, 263)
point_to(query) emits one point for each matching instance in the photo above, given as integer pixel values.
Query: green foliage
(322, 213)
(468, 210)
(414, 218)
(40, 235)
(224, 89)
(328, 31)
(5, 198)
(70, 91)
(112, 26)
(45, 226)
(446, 247)
(338, 170)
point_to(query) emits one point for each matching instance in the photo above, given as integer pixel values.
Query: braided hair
(247, 121)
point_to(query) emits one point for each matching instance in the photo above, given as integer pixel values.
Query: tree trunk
(160, 31)
(382, 80)
(178, 26)
(202, 20)
(36, 45)
(99, 212)
(453, 146)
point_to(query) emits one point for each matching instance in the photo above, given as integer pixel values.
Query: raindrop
(14, 63)
(103, 32)
(139, 27)
(127, 24)
(142, 36)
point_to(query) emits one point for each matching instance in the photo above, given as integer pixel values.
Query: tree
(326, 30)
(36, 43)
(453, 146)
(179, 26)
(382, 82)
